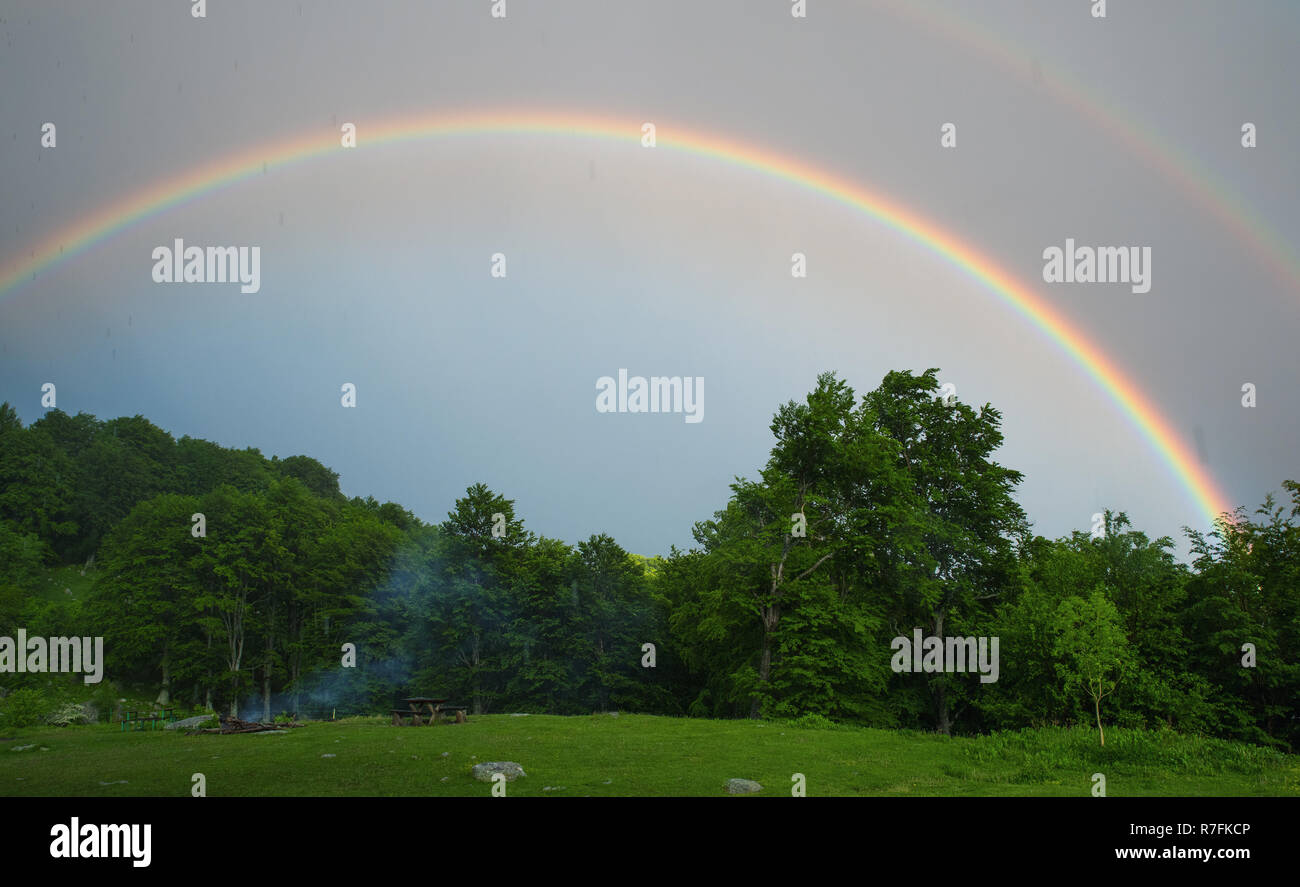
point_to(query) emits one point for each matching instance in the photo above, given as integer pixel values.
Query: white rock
(512, 771)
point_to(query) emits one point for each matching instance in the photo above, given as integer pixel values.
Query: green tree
(799, 552)
(1247, 591)
(314, 476)
(470, 608)
(611, 608)
(239, 564)
(144, 589)
(37, 481)
(953, 528)
(1093, 653)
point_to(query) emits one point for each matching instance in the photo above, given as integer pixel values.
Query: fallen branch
(235, 725)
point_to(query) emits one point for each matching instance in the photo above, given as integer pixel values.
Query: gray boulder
(743, 787)
(483, 772)
(187, 723)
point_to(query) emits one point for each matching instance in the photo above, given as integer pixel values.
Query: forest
(223, 579)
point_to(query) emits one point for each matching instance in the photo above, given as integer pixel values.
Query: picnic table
(421, 702)
(416, 706)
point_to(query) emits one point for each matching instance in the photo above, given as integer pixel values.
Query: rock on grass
(483, 772)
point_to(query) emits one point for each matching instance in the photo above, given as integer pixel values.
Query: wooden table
(417, 702)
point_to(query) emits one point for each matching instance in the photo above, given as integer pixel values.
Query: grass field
(66, 583)
(603, 755)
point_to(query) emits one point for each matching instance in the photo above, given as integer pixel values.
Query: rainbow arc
(1142, 414)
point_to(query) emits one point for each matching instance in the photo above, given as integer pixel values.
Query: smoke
(387, 618)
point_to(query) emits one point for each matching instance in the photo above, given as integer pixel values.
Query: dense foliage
(874, 516)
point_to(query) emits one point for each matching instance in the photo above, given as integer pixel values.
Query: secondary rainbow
(1173, 450)
(1162, 154)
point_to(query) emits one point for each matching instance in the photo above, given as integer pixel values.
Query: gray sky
(375, 262)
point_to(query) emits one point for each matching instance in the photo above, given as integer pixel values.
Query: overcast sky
(375, 261)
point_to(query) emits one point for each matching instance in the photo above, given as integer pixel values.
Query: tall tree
(961, 503)
(144, 590)
(481, 537)
(239, 563)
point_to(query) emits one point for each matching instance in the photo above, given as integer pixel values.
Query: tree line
(874, 516)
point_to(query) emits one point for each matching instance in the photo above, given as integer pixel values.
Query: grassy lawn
(66, 584)
(630, 755)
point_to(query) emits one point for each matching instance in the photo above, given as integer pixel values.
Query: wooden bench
(400, 714)
(458, 709)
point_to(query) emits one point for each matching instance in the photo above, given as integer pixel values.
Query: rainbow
(1150, 424)
(1171, 160)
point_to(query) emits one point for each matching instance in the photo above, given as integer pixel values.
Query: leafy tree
(202, 466)
(542, 654)
(37, 481)
(144, 591)
(1093, 653)
(1247, 591)
(608, 586)
(959, 505)
(239, 564)
(314, 476)
(22, 557)
(470, 609)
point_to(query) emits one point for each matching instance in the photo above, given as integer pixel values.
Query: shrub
(70, 713)
(24, 708)
(814, 721)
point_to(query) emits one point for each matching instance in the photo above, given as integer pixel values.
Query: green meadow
(639, 755)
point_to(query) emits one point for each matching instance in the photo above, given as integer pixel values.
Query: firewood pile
(235, 725)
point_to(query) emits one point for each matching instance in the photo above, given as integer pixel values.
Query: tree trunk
(1097, 705)
(207, 678)
(165, 693)
(295, 654)
(771, 618)
(944, 724)
(603, 687)
(266, 680)
(478, 685)
(942, 716)
(764, 671)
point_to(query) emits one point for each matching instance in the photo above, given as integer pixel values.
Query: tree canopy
(228, 579)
